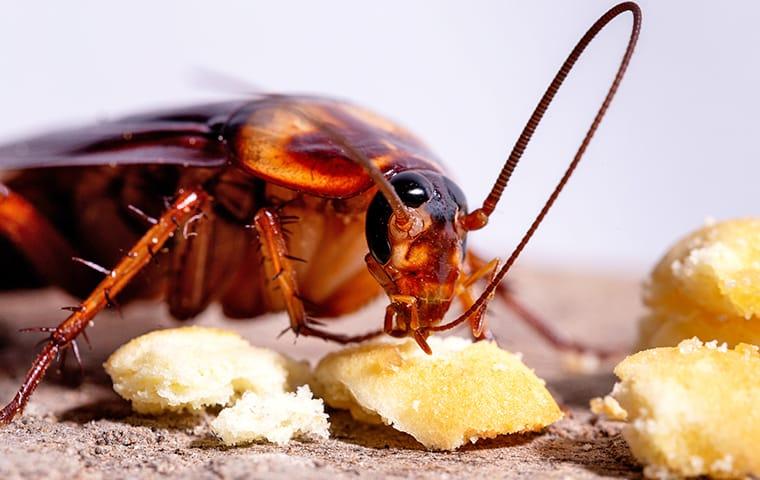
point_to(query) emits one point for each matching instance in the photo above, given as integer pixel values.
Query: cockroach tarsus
(301, 185)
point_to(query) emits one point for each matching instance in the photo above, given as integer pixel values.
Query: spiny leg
(140, 255)
(539, 325)
(478, 325)
(268, 224)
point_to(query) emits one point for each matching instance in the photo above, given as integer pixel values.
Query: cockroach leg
(478, 322)
(186, 205)
(539, 325)
(338, 338)
(278, 264)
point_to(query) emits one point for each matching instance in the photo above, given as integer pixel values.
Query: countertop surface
(87, 431)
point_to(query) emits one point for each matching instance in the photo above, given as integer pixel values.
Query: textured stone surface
(88, 432)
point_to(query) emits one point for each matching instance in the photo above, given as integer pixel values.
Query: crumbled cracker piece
(191, 368)
(608, 407)
(275, 417)
(707, 285)
(693, 409)
(463, 392)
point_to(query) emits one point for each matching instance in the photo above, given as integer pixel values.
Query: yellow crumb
(580, 362)
(609, 407)
(693, 409)
(275, 417)
(707, 285)
(191, 368)
(463, 392)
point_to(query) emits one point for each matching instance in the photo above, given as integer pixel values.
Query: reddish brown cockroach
(290, 182)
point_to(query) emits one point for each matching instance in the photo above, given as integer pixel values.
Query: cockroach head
(423, 257)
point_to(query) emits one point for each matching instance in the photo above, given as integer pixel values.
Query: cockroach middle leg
(278, 265)
(187, 204)
(535, 322)
(279, 268)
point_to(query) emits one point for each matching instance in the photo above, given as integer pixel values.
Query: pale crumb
(580, 362)
(191, 368)
(689, 346)
(658, 472)
(692, 409)
(708, 286)
(747, 351)
(416, 405)
(725, 464)
(274, 417)
(608, 407)
(696, 463)
(713, 345)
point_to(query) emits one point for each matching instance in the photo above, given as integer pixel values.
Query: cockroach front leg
(478, 324)
(186, 205)
(538, 324)
(279, 268)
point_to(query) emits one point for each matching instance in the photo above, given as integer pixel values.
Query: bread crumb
(692, 409)
(690, 346)
(454, 396)
(707, 285)
(190, 368)
(275, 417)
(608, 407)
(580, 362)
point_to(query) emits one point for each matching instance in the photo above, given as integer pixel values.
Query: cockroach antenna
(478, 218)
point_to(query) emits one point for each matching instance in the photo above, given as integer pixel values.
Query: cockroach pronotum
(263, 204)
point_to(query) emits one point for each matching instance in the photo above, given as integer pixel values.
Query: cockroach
(263, 204)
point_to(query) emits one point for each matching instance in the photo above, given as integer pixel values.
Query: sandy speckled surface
(88, 432)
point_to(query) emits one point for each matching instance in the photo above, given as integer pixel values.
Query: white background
(680, 142)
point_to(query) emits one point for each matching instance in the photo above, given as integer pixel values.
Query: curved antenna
(404, 216)
(478, 218)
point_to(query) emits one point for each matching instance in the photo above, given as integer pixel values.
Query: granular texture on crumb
(274, 417)
(462, 392)
(191, 368)
(692, 409)
(707, 285)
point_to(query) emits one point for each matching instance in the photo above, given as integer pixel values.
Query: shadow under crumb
(605, 452)
(344, 428)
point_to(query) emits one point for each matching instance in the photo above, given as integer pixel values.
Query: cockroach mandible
(306, 175)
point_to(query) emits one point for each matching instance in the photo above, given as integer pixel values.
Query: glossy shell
(275, 139)
(267, 136)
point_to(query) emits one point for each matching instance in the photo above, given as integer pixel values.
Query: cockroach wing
(189, 136)
(281, 139)
(293, 141)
